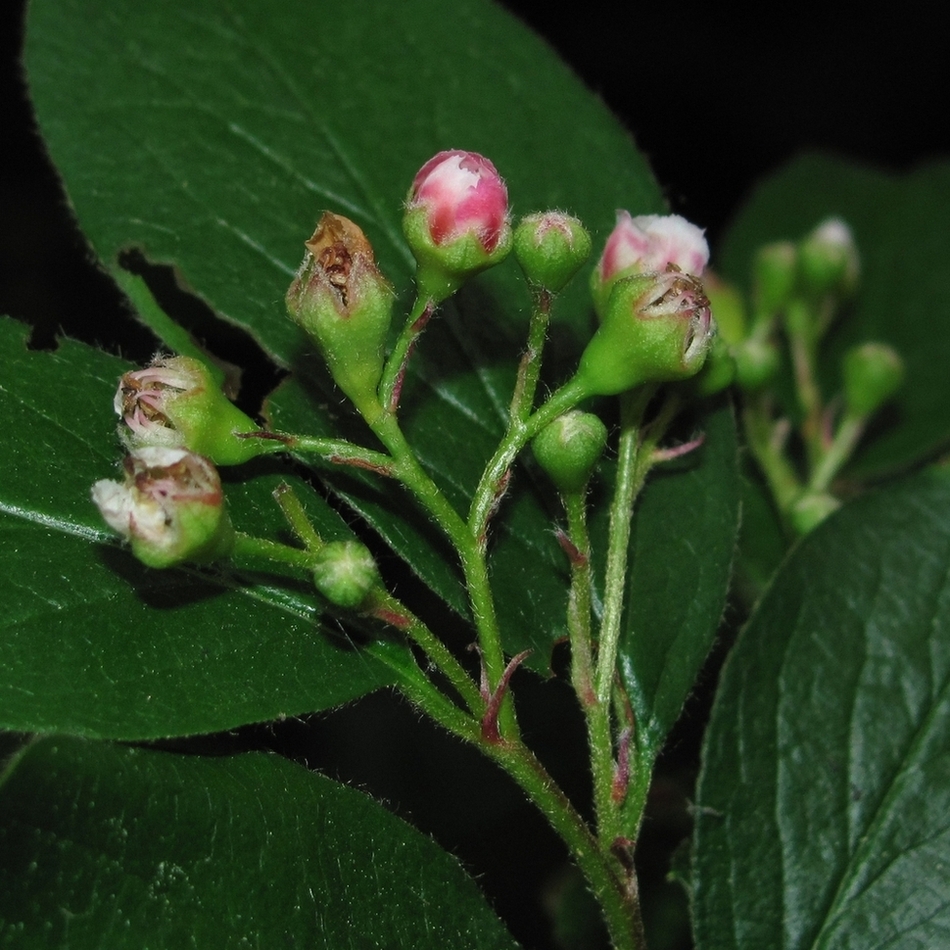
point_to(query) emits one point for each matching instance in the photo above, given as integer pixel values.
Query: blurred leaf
(108, 846)
(92, 642)
(822, 810)
(902, 232)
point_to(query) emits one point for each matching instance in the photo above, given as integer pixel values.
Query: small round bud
(569, 448)
(774, 275)
(757, 363)
(808, 511)
(551, 247)
(175, 402)
(345, 573)
(456, 221)
(872, 372)
(344, 304)
(829, 259)
(656, 328)
(649, 243)
(170, 507)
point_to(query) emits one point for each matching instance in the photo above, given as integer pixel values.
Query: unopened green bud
(808, 511)
(872, 372)
(176, 403)
(345, 305)
(170, 507)
(656, 328)
(551, 247)
(569, 448)
(774, 276)
(757, 363)
(345, 573)
(829, 260)
(456, 221)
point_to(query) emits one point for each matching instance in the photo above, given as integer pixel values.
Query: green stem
(246, 545)
(408, 471)
(387, 608)
(293, 510)
(529, 369)
(630, 478)
(596, 713)
(760, 431)
(604, 874)
(842, 447)
(394, 371)
(800, 321)
(614, 889)
(492, 482)
(340, 452)
(580, 597)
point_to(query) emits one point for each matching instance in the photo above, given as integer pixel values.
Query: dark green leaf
(902, 231)
(93, 643)
(105, 846)
(682, 549)
(824, 801)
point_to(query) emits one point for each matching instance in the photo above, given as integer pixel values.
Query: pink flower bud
(462, 193)
(456, 221)
(170, 507)
(648, 244)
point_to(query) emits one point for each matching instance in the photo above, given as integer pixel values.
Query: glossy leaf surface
(108, 846)
(822, 812)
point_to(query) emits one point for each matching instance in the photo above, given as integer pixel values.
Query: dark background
(717, 98)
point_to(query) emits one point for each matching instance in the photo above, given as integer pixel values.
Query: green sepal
(212, 425)
(651, 332)
(443, 268)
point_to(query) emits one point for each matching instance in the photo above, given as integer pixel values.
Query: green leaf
(108, 846)
(681, 553)
(823, 805)
(902, 232)
(92, 642)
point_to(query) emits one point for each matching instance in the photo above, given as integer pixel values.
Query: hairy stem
(529, 368)
(394, 372)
